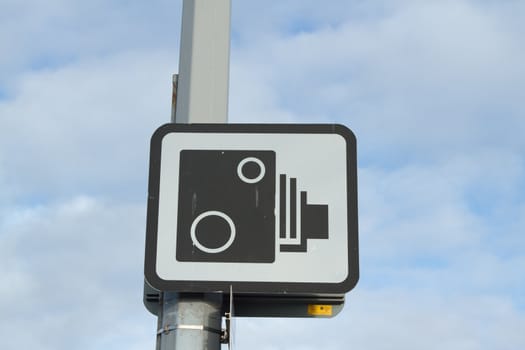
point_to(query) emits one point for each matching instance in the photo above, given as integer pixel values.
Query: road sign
(264, 208)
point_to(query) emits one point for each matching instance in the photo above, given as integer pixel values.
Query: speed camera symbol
(227, 208)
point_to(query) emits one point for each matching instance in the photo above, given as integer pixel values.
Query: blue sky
(433, 90)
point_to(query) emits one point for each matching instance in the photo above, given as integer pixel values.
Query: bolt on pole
(193, 321)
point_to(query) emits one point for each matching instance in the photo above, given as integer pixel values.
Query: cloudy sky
(433, 89)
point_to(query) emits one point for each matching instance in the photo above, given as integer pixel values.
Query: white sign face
(262, 208)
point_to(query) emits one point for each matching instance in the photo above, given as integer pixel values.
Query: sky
(434, 91)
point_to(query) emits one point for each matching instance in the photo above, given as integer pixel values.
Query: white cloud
(36, 34)
(85, 125)
(427, 204)
(423, 79)
(73, 274)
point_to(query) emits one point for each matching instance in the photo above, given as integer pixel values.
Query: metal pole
(204, 65)
(193, 321)
(190, 321)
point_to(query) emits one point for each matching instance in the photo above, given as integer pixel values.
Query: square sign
(268, 209)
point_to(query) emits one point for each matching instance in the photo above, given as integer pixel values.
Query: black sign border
(266, 288)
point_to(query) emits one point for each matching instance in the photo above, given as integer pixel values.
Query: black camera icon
(232, 208)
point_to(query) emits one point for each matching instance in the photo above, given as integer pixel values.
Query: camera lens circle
(242, 163)
(204, 215)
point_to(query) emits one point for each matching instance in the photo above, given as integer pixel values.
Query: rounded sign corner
(350, 282)
(162, 131)
(345, 132)
(155, 281)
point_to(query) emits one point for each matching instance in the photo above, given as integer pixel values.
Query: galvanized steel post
(193, 321)
(190, 321)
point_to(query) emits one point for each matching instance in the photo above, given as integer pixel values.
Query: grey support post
(193, 321)
(204, 65)
(190, 321)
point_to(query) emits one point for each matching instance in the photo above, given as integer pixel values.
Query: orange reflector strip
(320, 310)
